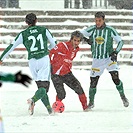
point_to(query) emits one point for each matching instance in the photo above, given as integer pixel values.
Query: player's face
(75, 41)
(99, 22)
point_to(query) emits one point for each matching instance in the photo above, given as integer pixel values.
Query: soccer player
(61, 63)
(35, 39)
(104, 55)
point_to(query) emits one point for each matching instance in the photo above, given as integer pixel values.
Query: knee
(77, 87)
(115, 77)
(94, 81)
(79, 90)
(61, 94)
(43, 84)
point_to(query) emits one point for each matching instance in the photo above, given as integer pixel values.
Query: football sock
(83, 100)
(45, 101)
(120, 88)
(92, 92)
(41, 92)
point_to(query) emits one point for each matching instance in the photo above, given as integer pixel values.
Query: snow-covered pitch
(108, 115)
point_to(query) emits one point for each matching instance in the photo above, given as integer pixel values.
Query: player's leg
(71, 81)
(41, 74)
(98, 66)
(92, 90)
(113, 69)
(119, 87)
(59, 87)
(45, 99)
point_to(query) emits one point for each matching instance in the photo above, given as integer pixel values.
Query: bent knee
(115, 77)
(61, 95)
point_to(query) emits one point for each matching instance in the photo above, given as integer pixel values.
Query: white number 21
(39, 38)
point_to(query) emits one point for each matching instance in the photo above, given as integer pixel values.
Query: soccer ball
(58, 107)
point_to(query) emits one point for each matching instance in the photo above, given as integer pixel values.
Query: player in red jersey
(61, 63)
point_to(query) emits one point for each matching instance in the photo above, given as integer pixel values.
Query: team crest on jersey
(99, 40)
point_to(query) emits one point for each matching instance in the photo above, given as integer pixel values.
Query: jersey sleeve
(51, 39)
(7, 77)
(18, 40)
(118, 39)
(87, 32)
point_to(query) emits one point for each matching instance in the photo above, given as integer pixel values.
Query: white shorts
(99, 65)
(40, 68)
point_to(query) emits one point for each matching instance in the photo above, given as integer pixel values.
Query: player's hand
(22, 78)
(89, 41)
(113, 56)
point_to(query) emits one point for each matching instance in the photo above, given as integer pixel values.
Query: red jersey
(61, 57)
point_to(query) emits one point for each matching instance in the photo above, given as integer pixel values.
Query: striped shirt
(102, 40)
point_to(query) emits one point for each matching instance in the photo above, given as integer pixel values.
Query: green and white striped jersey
(102, 40)
(35, 39)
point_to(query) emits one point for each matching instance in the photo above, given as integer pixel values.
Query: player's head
(77, 34)
(100, 15)
(30, 19)
(76, 38)
(99, 19)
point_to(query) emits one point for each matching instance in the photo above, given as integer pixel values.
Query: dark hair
(99, 15)
(30, 18)
(77, 34)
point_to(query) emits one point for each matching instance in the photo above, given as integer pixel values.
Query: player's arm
(120, 43)
(89, 41)
(11, 47)
(87, 33)
(51, 39)
(118, 39)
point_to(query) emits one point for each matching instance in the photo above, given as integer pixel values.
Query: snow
(108, 115)
(70, 16)
(68, 9)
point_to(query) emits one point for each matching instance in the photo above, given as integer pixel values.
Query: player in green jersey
(101, 36)
(35, 39)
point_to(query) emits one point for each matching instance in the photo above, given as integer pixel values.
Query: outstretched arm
(18, 40)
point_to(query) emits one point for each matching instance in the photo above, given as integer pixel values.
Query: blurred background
(60, 4)
(62, 17)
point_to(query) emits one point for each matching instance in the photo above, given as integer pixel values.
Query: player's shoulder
(110, 27)
(90, 28)
(63, 45)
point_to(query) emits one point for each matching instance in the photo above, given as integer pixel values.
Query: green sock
(120, 88)
(41, 92)
(45, 101)
(92, 92)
